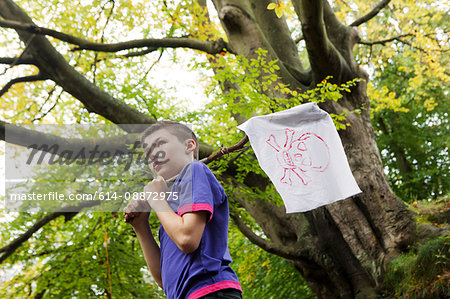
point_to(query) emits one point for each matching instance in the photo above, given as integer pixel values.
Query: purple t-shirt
(206, 269)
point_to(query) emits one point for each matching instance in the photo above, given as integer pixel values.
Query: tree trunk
(341, 249)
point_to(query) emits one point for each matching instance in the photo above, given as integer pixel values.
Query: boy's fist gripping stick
(138, 207)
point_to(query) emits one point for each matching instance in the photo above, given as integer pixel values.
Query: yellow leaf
(279, 11)
(271, 6)
(430, 104)
(402, 68)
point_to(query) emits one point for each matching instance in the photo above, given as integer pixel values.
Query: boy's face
(166, 155)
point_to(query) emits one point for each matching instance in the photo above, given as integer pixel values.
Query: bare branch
(299, 39)
(148, 71)
(123, 144)
(399, 38)
(213, 47)
(384, 41)
(32, 78)
(28, 138)
(370, 14)
(226, 150)
(139, 53)
(51, 108)
(17, 60)
(33, 28)
(14, 62)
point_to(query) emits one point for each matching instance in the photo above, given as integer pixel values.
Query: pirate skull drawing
(299, 156)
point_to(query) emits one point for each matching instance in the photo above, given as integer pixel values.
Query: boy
(193, 261)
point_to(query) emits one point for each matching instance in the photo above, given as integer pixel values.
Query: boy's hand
(137, 212)
(157, 190)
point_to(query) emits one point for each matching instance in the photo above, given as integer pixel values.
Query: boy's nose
(156, 156)
(151, 156)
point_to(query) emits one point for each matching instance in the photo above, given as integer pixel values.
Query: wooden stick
(225, 150)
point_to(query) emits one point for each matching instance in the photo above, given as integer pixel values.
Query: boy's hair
(182, 132)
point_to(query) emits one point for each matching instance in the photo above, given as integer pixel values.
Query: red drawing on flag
(296, 156)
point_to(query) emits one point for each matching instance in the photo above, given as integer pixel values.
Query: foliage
(125, 78)
(432, 212)
(424, 273)
(264, 275)
(257, 91)
(405, 51)
(278, 7)
(69, 259)
(97, 248)
(413, 136)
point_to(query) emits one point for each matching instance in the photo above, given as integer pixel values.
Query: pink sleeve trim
(192, 207)
(227, 284)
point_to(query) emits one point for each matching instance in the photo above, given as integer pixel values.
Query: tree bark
(349, 243)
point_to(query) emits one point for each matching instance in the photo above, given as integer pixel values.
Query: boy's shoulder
(195, 168)
(196, 184)
(198, 173)
(200, 166)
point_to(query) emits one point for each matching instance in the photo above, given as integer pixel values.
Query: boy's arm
(139, 211)
(185, 231)
(150, 248)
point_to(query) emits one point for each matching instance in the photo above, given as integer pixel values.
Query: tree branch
(278, 35)
(299, 39)
(384, 41)
(16, 243)
(30, 138)
(396, 38)
(271, 247)
(18, 60)
(123, 144)
(225, 150)
(32, 78)
(370, 14)
(139, 53)
(45, 102)
(213, 47)
(14, 62)
(324, 57)
(33, 28)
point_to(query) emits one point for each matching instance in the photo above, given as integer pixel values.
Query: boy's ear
(190, 145)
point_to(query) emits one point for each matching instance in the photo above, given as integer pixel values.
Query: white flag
(300, 151)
